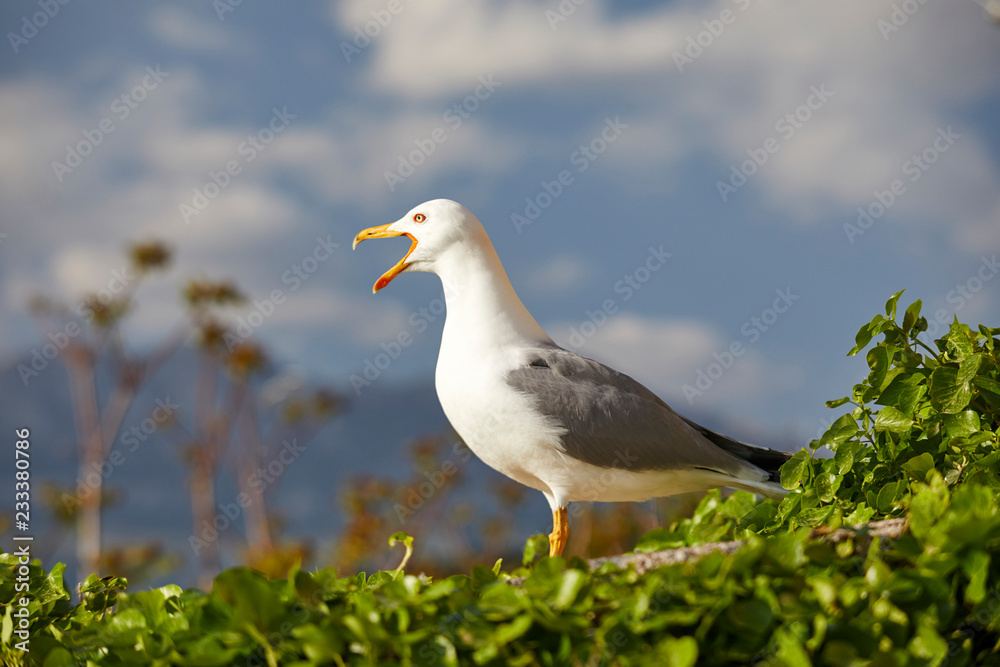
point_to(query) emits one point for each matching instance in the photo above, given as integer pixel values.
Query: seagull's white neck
(484, 312)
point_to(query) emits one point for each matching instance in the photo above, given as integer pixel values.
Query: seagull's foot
(560, 532)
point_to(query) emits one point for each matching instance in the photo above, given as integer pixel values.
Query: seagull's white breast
(499, 424)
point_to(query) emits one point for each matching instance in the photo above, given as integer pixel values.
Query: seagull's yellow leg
(560, 532)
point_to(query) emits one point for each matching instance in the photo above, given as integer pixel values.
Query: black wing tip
(767, 459)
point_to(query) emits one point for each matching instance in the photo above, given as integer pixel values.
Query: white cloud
(34, 129)
(183, 148)
(243, 213)
(982, 233)
(356, 317)
(890, 93)
(347, 157)
(890, 97)
(436, 48)
(165, 150)
(79, 270)
(556, 275)
(180, 28)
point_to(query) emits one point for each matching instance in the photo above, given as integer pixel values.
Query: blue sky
(737, 137)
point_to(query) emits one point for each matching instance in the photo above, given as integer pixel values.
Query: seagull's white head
(434, 228)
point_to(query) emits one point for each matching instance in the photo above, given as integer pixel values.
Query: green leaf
(891, 419)
(959, 342)
(962, 424)
(508, 632)
(535, 547)
(753, 616)
(919, 466)
(865, 334)
(987, 333)
(837, 402)
(572, 582)
(886, 497)
(407, 542)
(814, 516)
(949, 394)
(790, 651)
(318, 645)
(879, 360)
(843, 458)
(862, 514)
(59, 657)
(977, 568)
(929, 645)
(890, 305)
(253, 600)
(988, 389)
(660, 539)
(123, 628)
(758, 518)
(843, 428)
(903, 392)
(911, 316)
(826, 486)
(928, 505)
(681, 652)
(7, 625)
(794, 469)
(968, 367)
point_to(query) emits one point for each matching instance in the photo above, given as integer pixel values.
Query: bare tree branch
(888, 529)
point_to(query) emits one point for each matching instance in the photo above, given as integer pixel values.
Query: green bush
(920, 443)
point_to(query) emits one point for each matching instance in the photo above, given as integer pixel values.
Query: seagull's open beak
(383, 232)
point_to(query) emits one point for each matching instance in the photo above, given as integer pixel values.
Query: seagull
(555, 421)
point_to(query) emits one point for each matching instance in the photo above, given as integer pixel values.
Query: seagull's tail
(768, 460)
(772, 490)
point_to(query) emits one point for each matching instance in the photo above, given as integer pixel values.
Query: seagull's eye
(419, 217)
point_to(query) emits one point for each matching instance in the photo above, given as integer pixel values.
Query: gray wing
(612, 421)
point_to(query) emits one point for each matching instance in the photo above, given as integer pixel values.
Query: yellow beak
(383, 232)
